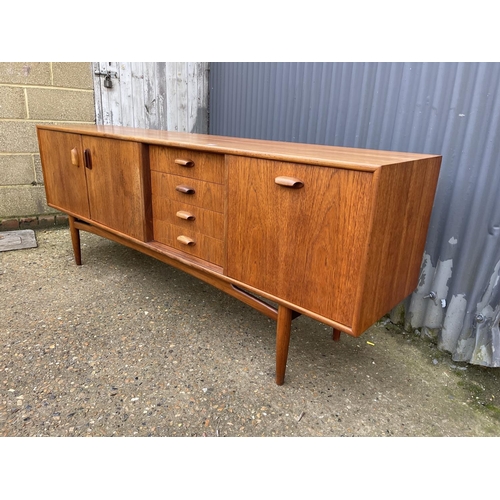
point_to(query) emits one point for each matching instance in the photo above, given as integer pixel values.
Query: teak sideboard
(334, 233)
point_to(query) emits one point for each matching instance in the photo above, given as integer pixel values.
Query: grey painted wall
(452, 109)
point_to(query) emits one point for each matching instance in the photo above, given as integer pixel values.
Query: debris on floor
(17, 240)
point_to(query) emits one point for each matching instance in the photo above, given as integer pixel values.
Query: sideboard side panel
(402, 210)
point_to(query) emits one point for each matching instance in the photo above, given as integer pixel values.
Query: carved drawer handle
(87, 158)
(74, 157)
(184, 163)
(182, 214)
(185, 189)
(289, 182)
(186, 241)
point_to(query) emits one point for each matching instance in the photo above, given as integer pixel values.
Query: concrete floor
(127, 346)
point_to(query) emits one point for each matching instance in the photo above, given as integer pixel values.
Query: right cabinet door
(304, 245)
(118, 185)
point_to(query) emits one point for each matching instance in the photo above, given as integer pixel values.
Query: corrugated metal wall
(452, 109)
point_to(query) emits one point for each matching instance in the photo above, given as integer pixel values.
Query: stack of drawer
(188, 201)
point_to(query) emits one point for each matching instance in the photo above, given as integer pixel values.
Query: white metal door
(157, 95)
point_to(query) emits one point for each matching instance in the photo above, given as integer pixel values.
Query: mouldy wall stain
(469, 335)
(480, 343)
(424, 310)
(453, 323)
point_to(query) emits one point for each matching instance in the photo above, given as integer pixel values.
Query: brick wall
(31, 93)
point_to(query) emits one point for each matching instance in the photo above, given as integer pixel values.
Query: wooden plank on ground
(17, 240)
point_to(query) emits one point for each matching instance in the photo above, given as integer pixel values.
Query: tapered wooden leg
(75, 239)
(336, 335)
(283, 328)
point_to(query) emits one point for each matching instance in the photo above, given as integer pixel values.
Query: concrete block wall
(31, 93)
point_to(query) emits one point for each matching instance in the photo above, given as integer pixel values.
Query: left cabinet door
(61, 155)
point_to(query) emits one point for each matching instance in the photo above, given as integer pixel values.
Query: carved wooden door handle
(290, 182)
(186, 240)
(185, 189)
(184, 163)
(182, 214)
(88, 159)
(74, 157)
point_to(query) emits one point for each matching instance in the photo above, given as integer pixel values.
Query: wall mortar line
(26, 104)
(46, 87)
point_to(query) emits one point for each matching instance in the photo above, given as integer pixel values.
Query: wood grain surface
(203, 247)
(401, 215)
(303, 245)
(205, 166)
(330, 156)
(205, 221)
(65, 182)
(116, 185)
(206, 195)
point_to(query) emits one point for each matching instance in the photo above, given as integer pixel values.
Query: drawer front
(188, 163)
(188, 241)
(189, 217)
(201, 194)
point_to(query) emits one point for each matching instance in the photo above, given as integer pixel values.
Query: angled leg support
(75, 240)
(283, 328)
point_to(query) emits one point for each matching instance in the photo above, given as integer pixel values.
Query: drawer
(188, 163)
(202, 194)
(190, 242)
(190, 217)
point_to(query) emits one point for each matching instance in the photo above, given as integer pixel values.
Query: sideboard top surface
(329, 156)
